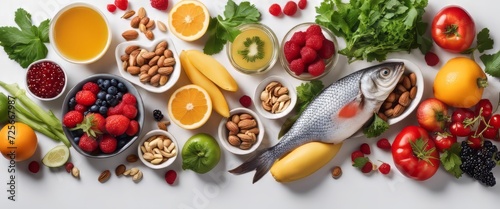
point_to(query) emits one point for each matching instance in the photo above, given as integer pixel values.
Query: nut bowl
(152, 68)
(124, 140)
(329, 62)
(46, 80)
(243, 131)
(274, 97)
(164, 142)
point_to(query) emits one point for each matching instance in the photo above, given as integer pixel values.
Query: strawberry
(356, 154)
(133, 128)
(108, 144)
(129, 98)
(87, 143)
(317, 67)
(367, 168)
(291, 51)
(170, 176)
(290, 8)
(299, 38)
(314, 29)
(121, 4)
(275, 10)
(307, 54)
(116, 110)
(92, 87)
(117, 124)
(93, 124)
(72, 118)
(297, 66)
(384, 168)
(315, 41)
(80, 108)
(327, 49)
(111, 8)
(365, 148)
(302, 4)
(159, 4)
(384, 144)
(85, 97)
(129, 111)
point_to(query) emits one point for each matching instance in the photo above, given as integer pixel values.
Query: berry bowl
(308, 51)
(274, 97)
(158, 149)
(154, 66)
(46, 80)
(242, 132)
(102, 115)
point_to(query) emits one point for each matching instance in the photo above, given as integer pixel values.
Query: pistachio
(75, 172)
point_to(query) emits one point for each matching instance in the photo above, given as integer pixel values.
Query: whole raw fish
(338, 112)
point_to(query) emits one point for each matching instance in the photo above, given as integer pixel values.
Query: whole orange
(18, 141)
(460, 83)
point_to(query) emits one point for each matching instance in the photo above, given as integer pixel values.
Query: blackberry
(478, 163)
(157, 115)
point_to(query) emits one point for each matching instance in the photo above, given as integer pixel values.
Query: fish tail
(261, 163)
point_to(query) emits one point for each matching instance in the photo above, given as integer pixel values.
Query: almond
(141, 12)
(128, 14)
(162, 44)
(404, 99)
(142, 28)
(154, 60)
(134, 23)
(234, 140)
(168, 53)
(153, 71)
(232, 127)
(159, 51)
(413, 79)
(133, 70)
(165, 70)
(413, 92)
(244, 116)
(163, 126)
(247, 123)
(130, 35)
(155, 80)
(130, 49)
(144, 20)
(150, 25)
(398, 110)
(245, 145)
(145, 68)
(161, 26)
(169, 61)
(144, 78)
(163, 80)
(124, 57)
(149, 34)
(148, 55)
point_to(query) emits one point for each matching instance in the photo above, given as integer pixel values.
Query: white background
(55, 188)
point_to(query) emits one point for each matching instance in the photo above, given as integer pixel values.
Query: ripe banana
(219, 103)
(304, 161)
(212, 69)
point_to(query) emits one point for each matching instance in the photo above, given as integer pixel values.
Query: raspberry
(431, 59)
(129, 111)
(159, 4)
(245, 101)
(316, 68)
(111, 8)
(170, 176)
(315, 41)
(297, 66)
(133, 128)
(302, 4)
(365, 148)
(85, 97)
(68, 166)
(121, 4)
(291, 51)
(290, 8)
(34, 166)
(72, 118)
(384, 144)
(92, 87)
(384, 168)
(314, 29)
(80, 108)
(108, 144)
(356, 154)
(327, 50)
(87, 143)
(307, 54)
(129, 98)
(275, 10)
(299, 38)
(367, 168)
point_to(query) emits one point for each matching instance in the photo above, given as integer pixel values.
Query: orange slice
(188, 20)
(190, 106)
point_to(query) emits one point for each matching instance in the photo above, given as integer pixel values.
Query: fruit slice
(56, 157)
(188, 20)
(219, 102)
(190, 106)
(212, 69)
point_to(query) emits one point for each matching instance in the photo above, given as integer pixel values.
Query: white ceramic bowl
(154, 133)
(258, 103)
(150, 46)
(52, 30)
(224, 133)
(31, 69)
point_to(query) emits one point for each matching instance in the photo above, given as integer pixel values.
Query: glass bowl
(329, 63)
(46, 80)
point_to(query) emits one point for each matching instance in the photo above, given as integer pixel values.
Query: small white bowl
(30, 69)
(150, 46)
(154, 133)
(224, 133)
(258, 103)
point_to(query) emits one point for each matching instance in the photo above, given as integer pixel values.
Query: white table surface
(55, 188)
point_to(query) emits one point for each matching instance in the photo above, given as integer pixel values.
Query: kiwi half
(254, 49)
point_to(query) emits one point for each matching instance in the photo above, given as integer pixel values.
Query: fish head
(380, 80)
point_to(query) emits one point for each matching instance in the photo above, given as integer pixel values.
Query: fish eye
(385, 72)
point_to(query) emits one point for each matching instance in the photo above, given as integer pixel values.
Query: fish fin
(352, 108)
(261, 163)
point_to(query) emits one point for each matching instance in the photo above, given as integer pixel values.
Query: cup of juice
(80, 33)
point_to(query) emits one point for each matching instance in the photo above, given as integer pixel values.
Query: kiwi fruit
(254, 49)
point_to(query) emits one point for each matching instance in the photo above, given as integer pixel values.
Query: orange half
(188, 20)
(190, 106)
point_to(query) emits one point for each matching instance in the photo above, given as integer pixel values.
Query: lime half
(56, 157)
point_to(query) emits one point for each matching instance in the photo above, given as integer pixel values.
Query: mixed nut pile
(142, 22)
(242, 130)
(400, 98)
(275, 98)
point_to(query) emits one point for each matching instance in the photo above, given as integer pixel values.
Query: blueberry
(94, 108)
(77, 132)
(112, 90)
(72, 103)
(103, 110)
(114, 82)
(99, 81)
(119, 95)
(86, 112)
(121, 143)
(104, 103)
(109, 97)
(101, 95)
(113, 102)
(106, 84)
(76, 139)
(121, 87)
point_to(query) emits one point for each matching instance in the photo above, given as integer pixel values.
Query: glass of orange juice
(80, 33)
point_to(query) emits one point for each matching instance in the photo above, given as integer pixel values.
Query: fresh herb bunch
(26, 43)
(223, 29)
(374, 28)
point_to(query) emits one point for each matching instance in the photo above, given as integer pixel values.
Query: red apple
(432, 115)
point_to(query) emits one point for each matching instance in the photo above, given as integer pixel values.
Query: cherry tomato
(444, 140)
(459, 129)
(495, 121)
(460, 114)
(475, 141)
(453, 29)
(415, 154)
(486, 108)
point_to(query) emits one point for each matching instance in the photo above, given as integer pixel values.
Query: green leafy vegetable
(451, 161)
(374, 28)
(376, 128)
(305, 94)
(491, 63)
(223, 29)
(360, 162)
(26, 43)
(484, 42)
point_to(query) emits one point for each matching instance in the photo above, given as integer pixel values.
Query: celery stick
(21, 110)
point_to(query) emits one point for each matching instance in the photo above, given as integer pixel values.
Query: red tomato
(415, 154)
(444, 140)
(453, 29)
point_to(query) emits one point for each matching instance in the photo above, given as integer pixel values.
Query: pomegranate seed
(45, 79)
(431, 59)
(170, 176)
